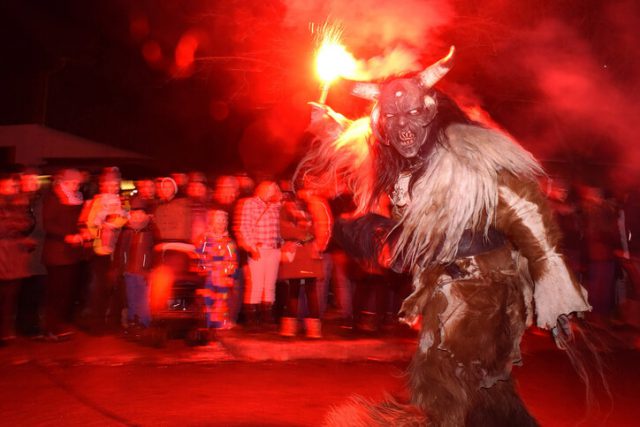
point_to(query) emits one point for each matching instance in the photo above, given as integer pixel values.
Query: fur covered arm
(525, 218)
(364, 238)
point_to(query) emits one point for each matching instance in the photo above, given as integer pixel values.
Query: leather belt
(477, 243)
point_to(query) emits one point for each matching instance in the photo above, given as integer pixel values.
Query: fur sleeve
(523, 215)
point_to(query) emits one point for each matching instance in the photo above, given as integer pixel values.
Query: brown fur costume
(474, 308)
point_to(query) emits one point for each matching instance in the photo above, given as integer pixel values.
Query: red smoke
(560, 76)
(586, 105)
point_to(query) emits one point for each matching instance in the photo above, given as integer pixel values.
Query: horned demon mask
(405, 107)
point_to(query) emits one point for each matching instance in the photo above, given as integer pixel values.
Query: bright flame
(332, 58)
(334, 61)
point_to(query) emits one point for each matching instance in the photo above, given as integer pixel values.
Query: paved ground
(265, 380)
(233, 345)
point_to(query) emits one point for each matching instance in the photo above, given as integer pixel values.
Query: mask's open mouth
(407, 138)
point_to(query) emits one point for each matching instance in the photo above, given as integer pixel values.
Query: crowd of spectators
(601, 242)
(79, 256)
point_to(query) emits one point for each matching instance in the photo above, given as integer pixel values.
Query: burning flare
(332, 58)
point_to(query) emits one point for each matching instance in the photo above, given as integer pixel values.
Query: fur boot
(288, 326)
(313, 328)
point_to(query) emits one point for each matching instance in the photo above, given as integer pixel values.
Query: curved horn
(432, 74)
(365, 90)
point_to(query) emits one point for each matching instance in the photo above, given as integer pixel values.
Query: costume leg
(499, 406)
(472, 325)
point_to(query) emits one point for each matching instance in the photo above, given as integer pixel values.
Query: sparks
(332, 58)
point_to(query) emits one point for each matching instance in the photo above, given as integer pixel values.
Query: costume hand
(562, 332)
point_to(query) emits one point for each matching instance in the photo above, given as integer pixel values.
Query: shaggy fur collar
(458, 191)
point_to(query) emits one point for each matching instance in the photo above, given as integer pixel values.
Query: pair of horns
(427, 78)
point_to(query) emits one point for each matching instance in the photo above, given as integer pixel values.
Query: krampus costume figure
(471, 225)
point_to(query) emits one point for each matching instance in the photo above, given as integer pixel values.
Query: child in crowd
(219, 257)
(133, 260)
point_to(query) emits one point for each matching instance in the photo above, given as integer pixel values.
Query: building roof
(37, 145)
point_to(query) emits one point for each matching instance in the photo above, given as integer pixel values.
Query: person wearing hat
(132, 261)
(199, 202)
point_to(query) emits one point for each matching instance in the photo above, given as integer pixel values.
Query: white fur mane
(458, 191)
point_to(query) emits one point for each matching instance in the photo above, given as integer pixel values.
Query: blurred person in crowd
(174, 249)
(305, 225)
(246, 185)
(258, 233)
(89, 186)
(172, 216)
(630, 260)
(338, 265)
(225, 197)
(132, 260)
(374, 297)
(182, 182)
(15, 225)
(226, 192)
(372, 286)
(601, 241)
(220, 262)
(62, 251)
(563, 203)
(32, 287)
(146, 190)
(197, 192)
(105, 220)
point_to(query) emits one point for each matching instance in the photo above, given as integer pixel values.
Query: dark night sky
(559, 75)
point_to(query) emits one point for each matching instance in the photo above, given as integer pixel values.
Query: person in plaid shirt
(258, 233)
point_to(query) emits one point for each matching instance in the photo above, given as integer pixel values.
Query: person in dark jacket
(14, 247)
(62, 251)
(305, 224)
(132, 260)
(31, 292)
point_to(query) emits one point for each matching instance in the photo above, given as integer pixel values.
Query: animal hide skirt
(474, 313)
